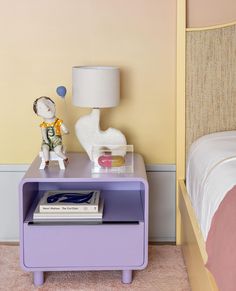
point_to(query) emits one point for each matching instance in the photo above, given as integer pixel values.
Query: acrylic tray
(112, 159)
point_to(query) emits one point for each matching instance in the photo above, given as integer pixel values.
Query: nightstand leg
(38, 278)
(127, 276)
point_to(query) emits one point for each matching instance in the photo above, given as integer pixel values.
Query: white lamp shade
(96, 87)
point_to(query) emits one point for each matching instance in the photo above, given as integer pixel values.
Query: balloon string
(65, 121)
(61, 91)
(66, 115)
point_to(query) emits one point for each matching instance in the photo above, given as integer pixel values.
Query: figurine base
(52, 157)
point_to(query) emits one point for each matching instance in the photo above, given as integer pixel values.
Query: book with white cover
(86, 216)
(69, 207)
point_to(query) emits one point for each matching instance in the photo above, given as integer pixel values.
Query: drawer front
(85, 246)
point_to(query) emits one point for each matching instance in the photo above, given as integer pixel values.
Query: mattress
(211, 184)
(210, 174)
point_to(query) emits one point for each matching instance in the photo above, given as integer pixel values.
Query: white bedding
(210, 174)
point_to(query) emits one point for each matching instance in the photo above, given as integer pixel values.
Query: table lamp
(96, 87)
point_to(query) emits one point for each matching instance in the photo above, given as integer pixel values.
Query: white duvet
(210, 174)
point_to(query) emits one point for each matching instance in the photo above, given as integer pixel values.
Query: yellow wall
(42, 40)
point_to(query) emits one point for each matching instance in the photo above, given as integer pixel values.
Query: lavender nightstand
(119, 243)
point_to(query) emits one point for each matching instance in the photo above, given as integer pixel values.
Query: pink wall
(201, 13)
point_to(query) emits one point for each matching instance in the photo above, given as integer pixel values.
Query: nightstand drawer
(83, 246)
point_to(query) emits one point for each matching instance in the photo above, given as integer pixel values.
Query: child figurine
(51, 128)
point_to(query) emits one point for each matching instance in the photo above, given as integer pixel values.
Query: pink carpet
(165, 272)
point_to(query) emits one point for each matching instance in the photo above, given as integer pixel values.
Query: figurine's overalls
(53, 132)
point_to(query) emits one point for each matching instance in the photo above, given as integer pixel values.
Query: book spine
(68, 209)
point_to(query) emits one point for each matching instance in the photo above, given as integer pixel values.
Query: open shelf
(122, 206)
(119, 207)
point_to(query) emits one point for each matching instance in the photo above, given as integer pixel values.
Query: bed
(206, 105)
(211, 185)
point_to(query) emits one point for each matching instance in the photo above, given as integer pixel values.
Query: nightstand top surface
(79, 168)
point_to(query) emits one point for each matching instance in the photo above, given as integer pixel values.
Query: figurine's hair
(36, 101)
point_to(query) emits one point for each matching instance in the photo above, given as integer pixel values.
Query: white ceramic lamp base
(88, 132)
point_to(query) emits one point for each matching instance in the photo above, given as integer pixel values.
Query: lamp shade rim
(96, 67)
(81, 105)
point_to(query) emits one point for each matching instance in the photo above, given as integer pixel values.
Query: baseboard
(162, 239)
(164, 243)
(9, 243)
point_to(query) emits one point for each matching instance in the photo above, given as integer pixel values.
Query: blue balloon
(61, 91)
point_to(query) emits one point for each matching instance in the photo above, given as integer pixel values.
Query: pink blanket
(221, 243)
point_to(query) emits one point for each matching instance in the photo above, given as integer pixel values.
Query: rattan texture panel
(210, 82)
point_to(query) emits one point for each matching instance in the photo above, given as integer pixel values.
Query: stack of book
(69, 206)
